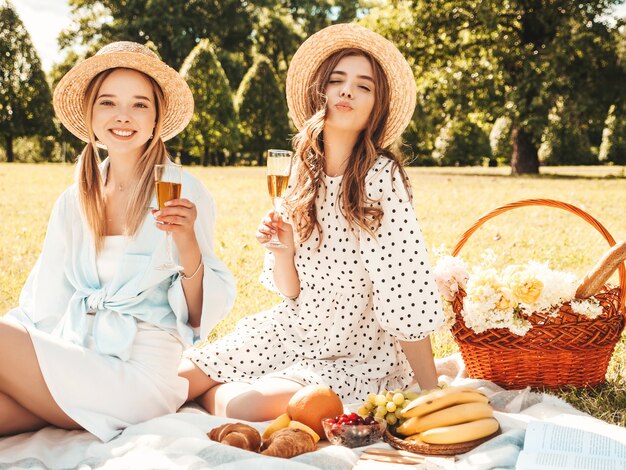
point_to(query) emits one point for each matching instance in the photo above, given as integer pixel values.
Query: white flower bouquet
(507, 297)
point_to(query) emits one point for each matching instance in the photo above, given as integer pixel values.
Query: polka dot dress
(360, 294)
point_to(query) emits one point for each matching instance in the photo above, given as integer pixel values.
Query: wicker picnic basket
(564, 350)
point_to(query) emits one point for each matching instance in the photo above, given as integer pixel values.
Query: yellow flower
(507, 299)
(525, 287)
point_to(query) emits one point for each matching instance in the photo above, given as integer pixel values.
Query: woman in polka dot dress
(359, 294)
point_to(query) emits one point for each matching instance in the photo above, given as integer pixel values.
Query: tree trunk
(259, 160)
(205, 156)
(185, 158)
(9, 148)
(525, 159)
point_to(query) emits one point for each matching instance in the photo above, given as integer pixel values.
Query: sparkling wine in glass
(168, 185)
(278, 171)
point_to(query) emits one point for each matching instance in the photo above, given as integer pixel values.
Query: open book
(549, 446)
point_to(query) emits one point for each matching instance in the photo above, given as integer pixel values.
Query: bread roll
(237, 435)
(602, 271)
(289, 442)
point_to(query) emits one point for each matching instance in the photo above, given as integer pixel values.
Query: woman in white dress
(359, 295)
(100, 329)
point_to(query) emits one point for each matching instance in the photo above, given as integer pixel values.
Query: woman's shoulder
(383, 171)
(386, 176)
(68, 197)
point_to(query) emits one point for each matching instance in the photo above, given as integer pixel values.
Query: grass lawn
(447, 202)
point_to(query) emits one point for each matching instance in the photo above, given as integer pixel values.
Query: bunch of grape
(387, 405)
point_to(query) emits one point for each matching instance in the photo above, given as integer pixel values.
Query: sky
(45, 19)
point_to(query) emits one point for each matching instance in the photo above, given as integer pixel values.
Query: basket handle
(548, 203)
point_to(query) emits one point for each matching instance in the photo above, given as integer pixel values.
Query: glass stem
(278, 202)
(168, 247)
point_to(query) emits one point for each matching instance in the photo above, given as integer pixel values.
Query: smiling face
(351, 94)
(124, 112)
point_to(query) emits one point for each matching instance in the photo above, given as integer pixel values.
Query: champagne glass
(168, 185)
(278, 171)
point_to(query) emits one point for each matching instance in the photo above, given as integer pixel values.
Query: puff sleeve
(406, 299)
(44, 297)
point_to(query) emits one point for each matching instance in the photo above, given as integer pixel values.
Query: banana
(458, 433)
(448, 416)
(441, 399)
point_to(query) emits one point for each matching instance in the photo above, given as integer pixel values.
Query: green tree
(277, 36)
(510, 59)
(174, 26)
(564, 142)
(25, 99)
(613, 147)
(500, 140)
(213, 127)
(314, 15)
(70, 146)
(461, 142)
(262, 109)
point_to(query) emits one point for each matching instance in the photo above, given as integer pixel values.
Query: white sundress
(93, 389)
(359, 296)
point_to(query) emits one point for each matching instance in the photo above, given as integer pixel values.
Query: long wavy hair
(359, 210)
(89, 179)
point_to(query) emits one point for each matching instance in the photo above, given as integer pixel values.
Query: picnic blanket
(179, 441)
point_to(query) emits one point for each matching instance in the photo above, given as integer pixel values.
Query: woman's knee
(199, 382)
(254, 406)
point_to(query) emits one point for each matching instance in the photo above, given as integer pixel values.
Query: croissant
(289, 442)
(237, 435)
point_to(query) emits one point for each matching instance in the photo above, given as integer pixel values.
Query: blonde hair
(89, 179)
(359, 210)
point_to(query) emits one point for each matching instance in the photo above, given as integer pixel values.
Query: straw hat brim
(68, 98)
(321, 45)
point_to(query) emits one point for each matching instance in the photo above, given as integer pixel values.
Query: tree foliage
(174, 26)
(25, 98)
(564, 141)
(262, 109)
(500, 139)
(511, 58)
(613, 147)
(212, 131)
(461, 142)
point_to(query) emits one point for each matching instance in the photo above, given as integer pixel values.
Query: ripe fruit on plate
(313, 403)
(279, 423)
(352, 430)
(449, 416)
(387, 405)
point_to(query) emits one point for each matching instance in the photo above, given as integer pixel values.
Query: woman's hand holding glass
(178, 218)
(274, 224)
(278, 171)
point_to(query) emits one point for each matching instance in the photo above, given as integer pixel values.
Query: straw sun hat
(69, 94)
(326, 42)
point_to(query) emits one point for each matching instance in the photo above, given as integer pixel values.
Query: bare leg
(21, 380)
(263, 400)
(16, 418)
(199, 382)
